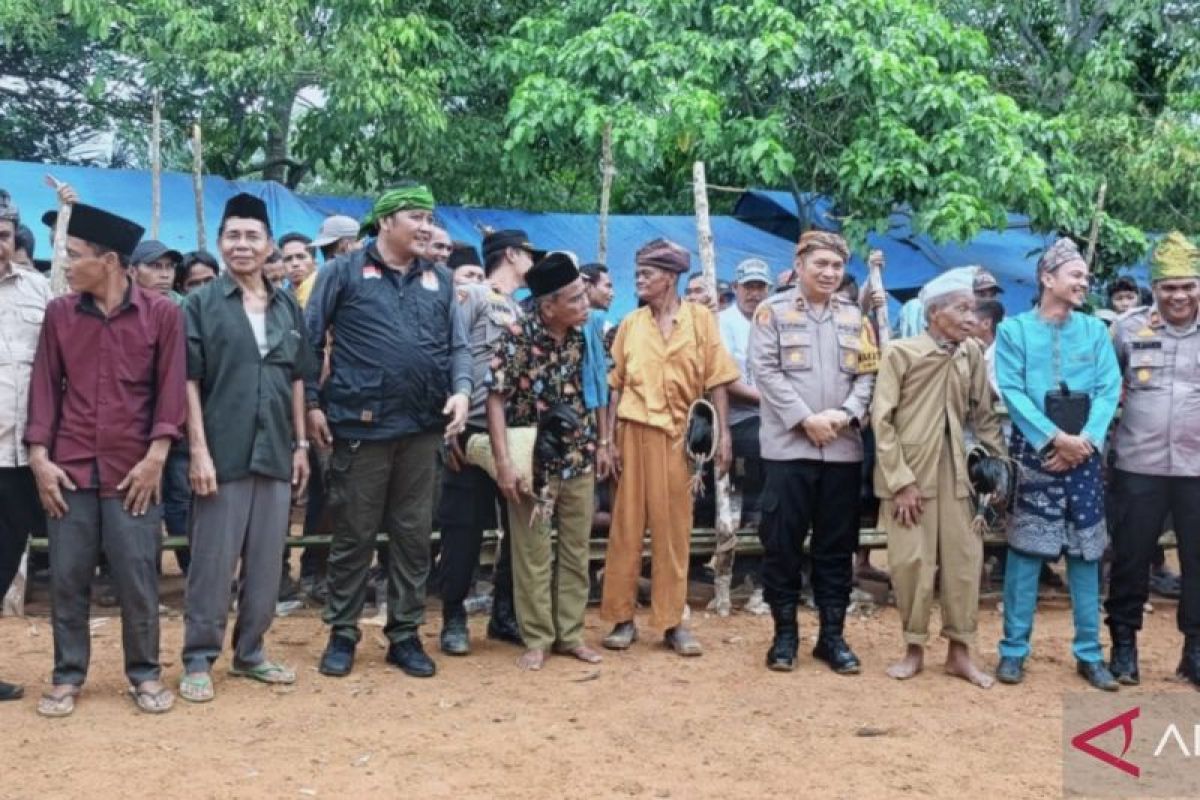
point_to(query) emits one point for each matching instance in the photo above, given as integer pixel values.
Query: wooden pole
(198, 185)
(155, 164)
(606, 180)
(875, 271)
(727, 515)
(58, 264)
(1094, 235)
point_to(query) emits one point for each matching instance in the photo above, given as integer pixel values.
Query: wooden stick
(198, 185)
(722, 560)
(875, 280)
(58, 264)
(155, 164)
(1094, 235)
(606, 180)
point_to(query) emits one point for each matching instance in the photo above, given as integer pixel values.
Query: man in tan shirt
(666, 355)
(930, 387)
(23, 298)
(804, 357)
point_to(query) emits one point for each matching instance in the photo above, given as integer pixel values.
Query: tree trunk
(277, 150)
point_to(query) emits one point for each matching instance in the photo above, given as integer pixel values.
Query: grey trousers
(131, 546)
(381, 486)
(245, 520)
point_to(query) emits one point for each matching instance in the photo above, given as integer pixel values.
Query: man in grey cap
(752, 283)
(986, 287)
(153, 268)
(338, 234)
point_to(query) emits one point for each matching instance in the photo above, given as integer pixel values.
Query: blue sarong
(1057, 512)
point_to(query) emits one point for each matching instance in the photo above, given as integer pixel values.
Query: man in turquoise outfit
(1060, 500)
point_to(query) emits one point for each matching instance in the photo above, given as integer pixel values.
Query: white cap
(334, 228)
(959, 279)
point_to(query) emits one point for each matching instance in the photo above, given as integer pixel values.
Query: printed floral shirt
(535, 373)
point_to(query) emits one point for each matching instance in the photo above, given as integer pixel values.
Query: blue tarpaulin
(912, 259)
(127, 192)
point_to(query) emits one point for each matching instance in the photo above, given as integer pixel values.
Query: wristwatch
(301, 444)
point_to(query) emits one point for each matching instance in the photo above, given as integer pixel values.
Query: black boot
(1189, 664)
(782, 655)
(831, 647)
(454, 640)
(503, 624)
(1123, 662)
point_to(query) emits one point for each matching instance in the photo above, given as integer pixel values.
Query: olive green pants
(551, 593)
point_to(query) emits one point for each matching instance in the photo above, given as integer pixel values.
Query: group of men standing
(399, 359)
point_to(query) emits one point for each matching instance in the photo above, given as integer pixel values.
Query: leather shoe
(338, 658)
(455, 641)
(1095, 673)
(409, 656)
(1010, 670)
(11, 691)
(682, 641)
(622, 636)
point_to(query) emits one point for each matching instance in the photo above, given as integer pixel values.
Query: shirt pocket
(355, 394)
(285, 351)
(1146, 370)
(795, 351)
(849, 352)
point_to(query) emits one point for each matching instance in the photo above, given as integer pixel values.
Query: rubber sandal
(149, 702)
(266, 672)
(51, 706)
(196, 687)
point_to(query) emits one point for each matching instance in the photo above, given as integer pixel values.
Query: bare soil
(643, 724)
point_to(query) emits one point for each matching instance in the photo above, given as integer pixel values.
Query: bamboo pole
(883, 327)
(198, 185)
(727, 515)
(155, 164)
(1094, 235)
(58, 264)
(606, 180)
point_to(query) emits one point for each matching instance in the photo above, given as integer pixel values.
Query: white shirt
(258, 324)
(735, 334)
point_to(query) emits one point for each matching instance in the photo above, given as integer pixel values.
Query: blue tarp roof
(912, 259)
(127, 192)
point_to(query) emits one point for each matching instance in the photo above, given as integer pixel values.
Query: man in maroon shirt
(106, 400)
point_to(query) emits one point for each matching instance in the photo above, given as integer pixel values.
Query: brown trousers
(653, 492)
(942, 541)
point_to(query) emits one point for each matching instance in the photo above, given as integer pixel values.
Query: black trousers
(799, 496)
(20, 515)
(468, 507)
(746, 447)
(1144, 502)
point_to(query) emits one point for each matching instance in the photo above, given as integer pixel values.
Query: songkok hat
(959, 279)
(822, 240)
(665, 255)
(99, 227)
(1174, 258)
(552, 273)
(463, 255)
(246, 206)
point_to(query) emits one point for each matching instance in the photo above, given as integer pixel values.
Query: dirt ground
(643, 724)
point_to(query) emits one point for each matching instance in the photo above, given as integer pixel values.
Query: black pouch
(1068, 410)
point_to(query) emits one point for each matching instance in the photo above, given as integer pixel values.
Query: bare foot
(583, 653)
(910, 665)
(960, 665)
(532, 660)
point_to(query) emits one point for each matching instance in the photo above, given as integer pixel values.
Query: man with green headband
(400, 378)
(1158, 454)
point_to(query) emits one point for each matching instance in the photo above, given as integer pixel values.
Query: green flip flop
(196, 688)
(266, 672)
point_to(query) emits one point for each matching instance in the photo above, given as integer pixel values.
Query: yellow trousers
(942, 541)
(653, 492)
